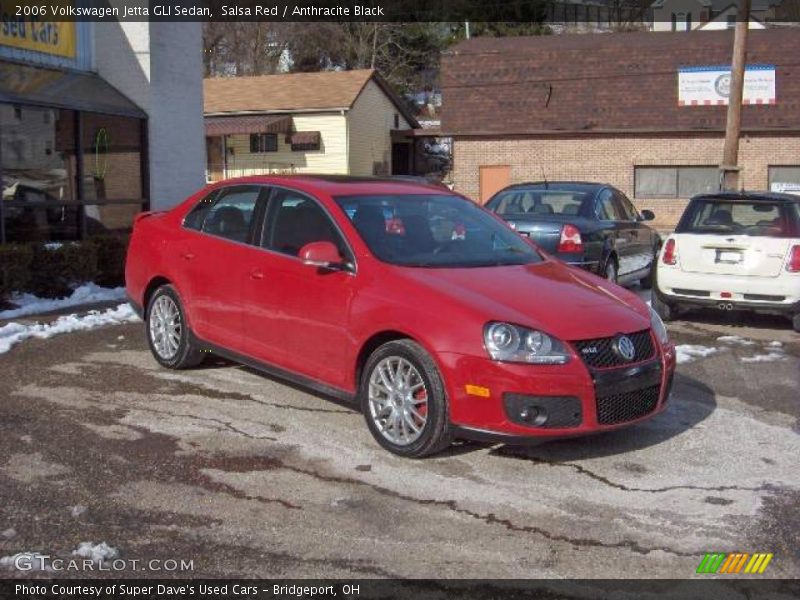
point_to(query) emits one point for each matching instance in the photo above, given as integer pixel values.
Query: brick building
(605, 108)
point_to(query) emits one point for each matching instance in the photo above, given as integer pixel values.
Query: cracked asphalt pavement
(248, 476)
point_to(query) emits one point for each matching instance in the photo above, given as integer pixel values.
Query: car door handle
(187, 255)
(256, 274)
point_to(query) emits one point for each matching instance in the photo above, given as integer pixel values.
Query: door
(297, 315)
(211, 262)
(401, 158)
(493, 179)
(215, 165)
(618, 230)
(642, 237)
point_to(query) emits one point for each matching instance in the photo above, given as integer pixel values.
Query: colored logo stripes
(734, 563)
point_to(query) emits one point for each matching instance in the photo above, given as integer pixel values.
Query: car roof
(343, 185)
(579, 186)
(745, 195)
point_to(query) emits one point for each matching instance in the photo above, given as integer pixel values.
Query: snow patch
(88, 293)
(735, 339)
(34, 560)
(688, 352)
(13, 333)
(97, 553)
(77, 510)
(775, 344)
(771, 357)
(9, 534)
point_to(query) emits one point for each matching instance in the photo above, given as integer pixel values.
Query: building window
(396, 121)
(675, 182)
(57, 187)
(263, 142)
(785, 179)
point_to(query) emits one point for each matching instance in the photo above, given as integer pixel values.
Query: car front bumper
(522, 403)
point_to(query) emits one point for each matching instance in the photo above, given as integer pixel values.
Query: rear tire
(796, 322)
(171, 341)
(403, 400)
(646, 283)
(610, 270)
(663, 310)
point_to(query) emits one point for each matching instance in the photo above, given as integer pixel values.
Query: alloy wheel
(398, 400)
(165, 327)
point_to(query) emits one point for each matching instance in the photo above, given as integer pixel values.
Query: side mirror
(321, 254)
(648, 215)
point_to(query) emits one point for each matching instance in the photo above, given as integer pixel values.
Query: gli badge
(625, 348)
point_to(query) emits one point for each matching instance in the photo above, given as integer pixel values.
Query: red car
(426, 309)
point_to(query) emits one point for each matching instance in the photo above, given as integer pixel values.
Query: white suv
(733, 251)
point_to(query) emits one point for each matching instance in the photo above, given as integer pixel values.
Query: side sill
(280, 373)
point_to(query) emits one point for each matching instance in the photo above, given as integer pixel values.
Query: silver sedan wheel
(165, 327)
(398, 400)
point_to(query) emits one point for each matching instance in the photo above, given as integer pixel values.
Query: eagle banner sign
(711, 85)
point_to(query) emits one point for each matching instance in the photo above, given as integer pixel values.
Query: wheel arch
(152, 285)
(371, 344)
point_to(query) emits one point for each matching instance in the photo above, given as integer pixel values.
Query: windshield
(434, 231)
(735, 217)
(520, 201)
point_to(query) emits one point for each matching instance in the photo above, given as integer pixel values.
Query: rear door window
(607, 207)
(737, 217)
(226, 213)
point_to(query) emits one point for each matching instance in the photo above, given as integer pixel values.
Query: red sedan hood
(566, 302)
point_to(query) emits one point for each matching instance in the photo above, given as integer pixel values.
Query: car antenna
(544, 178)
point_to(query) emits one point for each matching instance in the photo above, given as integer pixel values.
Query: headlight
(512, 343)
(658, 327)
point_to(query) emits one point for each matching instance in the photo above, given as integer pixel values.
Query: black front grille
(600, 353)
(619, 408)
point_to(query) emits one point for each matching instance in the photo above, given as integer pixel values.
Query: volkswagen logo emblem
(624, 347)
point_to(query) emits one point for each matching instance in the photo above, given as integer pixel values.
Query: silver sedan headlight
(658, 327)
(512, 343)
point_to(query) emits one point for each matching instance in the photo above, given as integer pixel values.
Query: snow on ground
(32, 561)
(774, 353)
(97, 553)
(735, 339)
(86, 294)
(14, 333)
(688, 352)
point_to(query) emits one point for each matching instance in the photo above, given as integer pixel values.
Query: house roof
(613, 82)
(293, 92)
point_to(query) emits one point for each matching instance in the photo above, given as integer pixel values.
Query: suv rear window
(736, 217)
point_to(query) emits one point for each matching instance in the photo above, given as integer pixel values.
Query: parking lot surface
(247, 476)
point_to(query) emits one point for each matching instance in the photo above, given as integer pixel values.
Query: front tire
(168, 334)
(403, 400)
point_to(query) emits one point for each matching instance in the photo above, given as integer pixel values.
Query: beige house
(334, 122)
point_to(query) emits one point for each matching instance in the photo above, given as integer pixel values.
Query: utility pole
(466, 29)
(733, 127)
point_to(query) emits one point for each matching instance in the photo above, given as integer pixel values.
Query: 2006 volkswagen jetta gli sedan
(429, 311)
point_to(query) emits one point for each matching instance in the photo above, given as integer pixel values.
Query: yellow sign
(25, 26)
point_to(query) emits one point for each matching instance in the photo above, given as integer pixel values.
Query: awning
(304, 140)
(248, 124)
(24, 84)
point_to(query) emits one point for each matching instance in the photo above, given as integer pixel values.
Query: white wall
(159, 67)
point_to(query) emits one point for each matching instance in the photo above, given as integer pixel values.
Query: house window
(263, 142)
(785, 179)
(675, 182)
(396, 121)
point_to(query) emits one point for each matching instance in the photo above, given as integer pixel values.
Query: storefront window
(50, 195)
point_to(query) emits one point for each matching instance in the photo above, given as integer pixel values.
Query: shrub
(110, 251)
(56, 270)
(15, 269)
